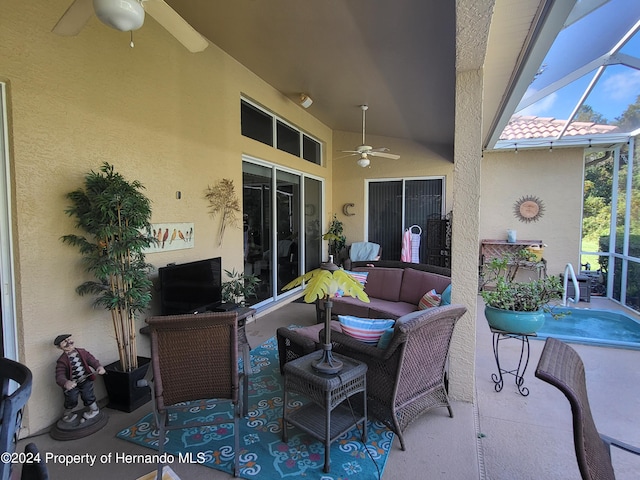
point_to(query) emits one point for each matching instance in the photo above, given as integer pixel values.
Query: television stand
(225, 307)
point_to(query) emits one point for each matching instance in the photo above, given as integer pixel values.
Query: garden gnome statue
(75, 372)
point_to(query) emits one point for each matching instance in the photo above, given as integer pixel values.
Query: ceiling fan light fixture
(305, 100)
(123, 15)
(363, 162)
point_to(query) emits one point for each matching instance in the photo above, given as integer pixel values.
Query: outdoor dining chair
(561, 366)
(194, 358)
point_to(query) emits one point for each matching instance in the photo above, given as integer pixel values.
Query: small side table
(518, 373)
(326, 417)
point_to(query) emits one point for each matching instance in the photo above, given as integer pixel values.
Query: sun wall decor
(528, 209)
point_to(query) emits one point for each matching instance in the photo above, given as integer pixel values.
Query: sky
(589, 38)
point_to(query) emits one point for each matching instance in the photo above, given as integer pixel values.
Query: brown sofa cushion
(383, 283)
(385, 309)
(312, 331)
(416, 283)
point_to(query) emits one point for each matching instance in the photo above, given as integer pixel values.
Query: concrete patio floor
(502, 436)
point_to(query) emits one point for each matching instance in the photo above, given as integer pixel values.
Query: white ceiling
(399, 57)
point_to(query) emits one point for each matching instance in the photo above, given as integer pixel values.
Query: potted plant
(240, 287)
(517, 307)
(115, 217)
(336, 239)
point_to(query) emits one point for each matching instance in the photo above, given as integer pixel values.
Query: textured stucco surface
(465, 225)
(161, 115)
(555, 177)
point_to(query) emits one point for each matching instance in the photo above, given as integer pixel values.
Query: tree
(630, 118)
(587, 114)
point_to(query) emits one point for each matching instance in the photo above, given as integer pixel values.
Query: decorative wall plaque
(528, 209)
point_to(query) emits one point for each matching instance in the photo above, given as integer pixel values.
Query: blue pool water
(593, 327)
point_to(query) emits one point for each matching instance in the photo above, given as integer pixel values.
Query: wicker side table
(327, 416)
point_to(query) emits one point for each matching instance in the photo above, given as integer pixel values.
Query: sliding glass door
(421, 203)
(276, 204)
(257, 213)
(288, 231)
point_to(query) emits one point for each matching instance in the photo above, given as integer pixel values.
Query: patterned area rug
(263, 455)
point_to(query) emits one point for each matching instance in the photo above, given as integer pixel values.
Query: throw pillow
(429, 299)
(445, 298)
(386, 337)
(358, 276)
(367, 330)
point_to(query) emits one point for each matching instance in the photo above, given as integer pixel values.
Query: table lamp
(323, 284)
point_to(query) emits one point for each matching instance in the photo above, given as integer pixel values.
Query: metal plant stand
(518, 373)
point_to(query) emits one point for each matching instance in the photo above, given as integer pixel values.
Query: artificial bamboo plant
(115, 217)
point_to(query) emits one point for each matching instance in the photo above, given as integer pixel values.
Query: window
(288, 139)
(267, 128)
(256, 124)
(311, 150)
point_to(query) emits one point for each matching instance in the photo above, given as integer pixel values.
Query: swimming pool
(593, 327)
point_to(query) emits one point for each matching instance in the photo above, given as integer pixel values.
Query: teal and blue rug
(263, 455)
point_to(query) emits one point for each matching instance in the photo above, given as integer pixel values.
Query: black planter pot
(122, 387)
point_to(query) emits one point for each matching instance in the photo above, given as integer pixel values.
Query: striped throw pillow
(358, 276)
(367, 330)
(429, 299)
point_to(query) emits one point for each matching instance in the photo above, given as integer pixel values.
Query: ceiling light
(123, 15)
(305, 100)
(364, 162)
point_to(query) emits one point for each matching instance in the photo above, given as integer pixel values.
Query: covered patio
(500, 436)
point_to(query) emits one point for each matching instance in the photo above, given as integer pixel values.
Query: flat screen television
(191, 287)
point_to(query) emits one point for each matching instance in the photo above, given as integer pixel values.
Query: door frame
(7, 277)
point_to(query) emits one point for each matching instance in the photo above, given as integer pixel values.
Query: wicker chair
(16, 380)
(194, 358)
(561, 366)
(407, 378)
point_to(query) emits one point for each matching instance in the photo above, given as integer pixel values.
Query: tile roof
(523, 127)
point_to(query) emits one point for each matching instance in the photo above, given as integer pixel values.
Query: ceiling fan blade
(345, 156)
(75, 18)
(352, 152)
(384, 155)
(175, 25)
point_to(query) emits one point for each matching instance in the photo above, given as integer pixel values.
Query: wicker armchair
(561, 366)
(194, 358)
(407, 378)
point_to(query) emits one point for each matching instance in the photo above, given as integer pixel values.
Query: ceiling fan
(128, 15)
(365, 151)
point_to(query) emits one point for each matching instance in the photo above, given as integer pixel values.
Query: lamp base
(327, 364)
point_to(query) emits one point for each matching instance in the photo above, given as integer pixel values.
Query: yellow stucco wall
(161, 115)
(349, 178)
(556, 179)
